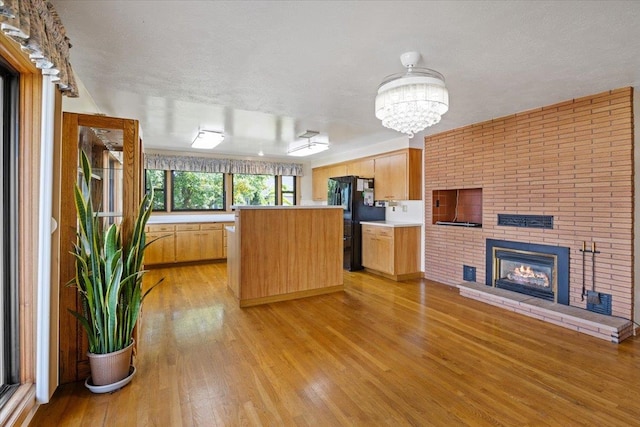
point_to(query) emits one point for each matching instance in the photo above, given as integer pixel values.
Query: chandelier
(412, 101)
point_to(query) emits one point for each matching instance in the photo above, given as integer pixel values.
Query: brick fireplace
(572, 162)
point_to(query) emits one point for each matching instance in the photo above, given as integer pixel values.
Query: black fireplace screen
(525, 272)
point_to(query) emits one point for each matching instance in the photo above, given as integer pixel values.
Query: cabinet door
(362, 168)
(369, 250)
(385, 255)
(188, 246)
(224, 238)
(391, 177)
(162, 250)
(319, 179)
(211, 244)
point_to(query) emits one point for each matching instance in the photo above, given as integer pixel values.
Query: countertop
(175, 219)
(289, 207)
(392, 223)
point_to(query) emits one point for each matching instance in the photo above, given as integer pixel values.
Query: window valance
(36, 26)
(205, 164)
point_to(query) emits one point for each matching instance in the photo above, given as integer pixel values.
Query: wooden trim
(30, 112)
(294, 295)
(54, 333)
(396, 277)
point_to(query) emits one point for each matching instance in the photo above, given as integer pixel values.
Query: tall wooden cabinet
(114, 148)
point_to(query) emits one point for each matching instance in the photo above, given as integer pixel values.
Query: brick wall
(572, 160)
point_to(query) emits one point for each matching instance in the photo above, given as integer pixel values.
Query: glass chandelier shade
(412, 101)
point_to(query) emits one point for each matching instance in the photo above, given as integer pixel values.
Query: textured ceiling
(266, 71)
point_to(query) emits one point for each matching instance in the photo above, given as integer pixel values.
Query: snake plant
(108, 274)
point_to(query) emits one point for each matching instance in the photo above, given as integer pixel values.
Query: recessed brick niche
(572, 161)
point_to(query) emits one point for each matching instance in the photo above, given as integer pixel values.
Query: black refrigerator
(356, 196)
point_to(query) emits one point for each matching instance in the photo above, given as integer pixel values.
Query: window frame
(275, 187)
(294, 192)
(173, 193)
(164, 188)
(10, 348)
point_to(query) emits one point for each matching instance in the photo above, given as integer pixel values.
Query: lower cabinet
(184, 243)
(162, 249)
(393, 252)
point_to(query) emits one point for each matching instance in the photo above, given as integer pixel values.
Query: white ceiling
(266, 71)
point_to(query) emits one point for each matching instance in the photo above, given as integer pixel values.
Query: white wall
(83, 104)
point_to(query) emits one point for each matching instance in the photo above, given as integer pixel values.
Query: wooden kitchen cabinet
(224, 237)
(364, 168)
(393, 252)
(320, 179)
(197, 242)
(211, 241)
(398, 175)
(162, 250)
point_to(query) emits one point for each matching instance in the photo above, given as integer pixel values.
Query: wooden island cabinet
(278, 253)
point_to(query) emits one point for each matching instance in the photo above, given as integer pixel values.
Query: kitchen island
(277, 253)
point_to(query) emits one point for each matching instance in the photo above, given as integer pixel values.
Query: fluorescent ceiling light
(308, 147)
(207, 139)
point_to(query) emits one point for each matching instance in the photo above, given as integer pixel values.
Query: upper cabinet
(320, 178)
(397, 175)
(362, 167)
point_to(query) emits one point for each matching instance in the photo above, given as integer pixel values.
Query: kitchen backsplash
(406, 211)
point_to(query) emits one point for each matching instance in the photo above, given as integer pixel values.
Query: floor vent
(604, 307)
(528, 221)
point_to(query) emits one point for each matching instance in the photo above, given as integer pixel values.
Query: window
(157, 180)
(254, 190)
(9, 321)
(197, 191)
(288, 188)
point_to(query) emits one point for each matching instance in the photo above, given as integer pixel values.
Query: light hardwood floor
(380, 353)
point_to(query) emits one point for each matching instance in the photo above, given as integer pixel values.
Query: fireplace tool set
(593, 297)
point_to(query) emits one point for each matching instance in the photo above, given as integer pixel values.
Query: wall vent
(468, 273)
(604, 307)
(528, 221)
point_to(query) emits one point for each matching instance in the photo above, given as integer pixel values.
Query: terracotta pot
(111, 367)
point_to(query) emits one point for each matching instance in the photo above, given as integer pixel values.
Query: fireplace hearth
(541, 271)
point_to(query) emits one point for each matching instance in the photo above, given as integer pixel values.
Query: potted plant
(109, 281)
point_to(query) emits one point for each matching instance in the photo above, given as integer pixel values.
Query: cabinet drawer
(161, 227)
(377, 230)
(384, 231)
(187, 227)
(369, 229)
(211, 226)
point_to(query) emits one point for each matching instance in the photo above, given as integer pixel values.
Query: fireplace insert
(541, 271)
(531, 273)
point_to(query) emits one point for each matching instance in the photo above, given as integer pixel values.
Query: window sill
(20, 407)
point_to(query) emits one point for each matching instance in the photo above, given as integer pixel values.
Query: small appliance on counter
(356, 196)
